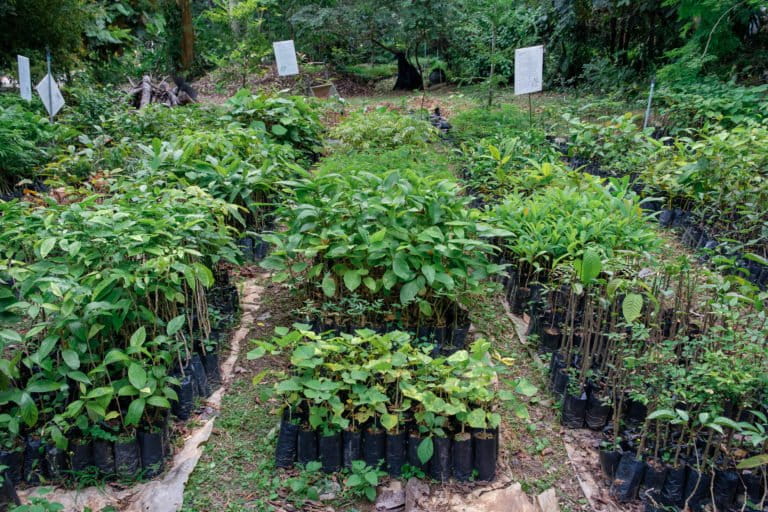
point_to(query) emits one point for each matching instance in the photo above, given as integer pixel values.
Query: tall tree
(187, 34)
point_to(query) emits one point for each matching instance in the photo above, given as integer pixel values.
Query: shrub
(383, 129)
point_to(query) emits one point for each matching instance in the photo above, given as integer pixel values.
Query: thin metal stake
(648, 109)
(530, 110)
(50, 84)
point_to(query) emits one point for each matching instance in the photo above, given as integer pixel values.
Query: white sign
(285, 55)
(529, 69)
(49, 92)
(25, 81)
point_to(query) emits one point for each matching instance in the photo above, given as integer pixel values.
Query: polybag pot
(8, 494)
(414, 440)
(307, 446)
(151, 449)
(597, 413)
(459, 339)
(330, 452)
(13, 459)
(753, 482)
(396, 453)
(550, 340)
(201, 379)
(629, 474)
(374, 447)
(186, 391)
(212, 371)
(440, 464)
(635, 412)
(463, 457)
(726, 485)
(127, 459)
(674, 487)
(653, 481)
(54, 463)
(560, 383)
(81, 456)
(287, 439)
(574, 410)
(104, 456)
(666, 217)
(485, 453)
(609, 461)
(520, 300)
(697, 489)
(351, 447)
(33, 461)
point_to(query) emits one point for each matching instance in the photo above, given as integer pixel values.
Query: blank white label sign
(529, 69)
(285, 55)
(49, 92)
(25, 81)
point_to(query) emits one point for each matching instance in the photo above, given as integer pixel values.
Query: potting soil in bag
(104, 457)
(212, 371)
(330, 452)
(462, 457)
(414, 440)
(574, 410)
(629, 474)
(609, 461)
(151, 449)
(727, 484)
(351, 448)
(8, 494)
(307, 446)
(186, 391)
(485, 456)
(33, 461)
(440, 465)
(81, 457)
(14, 461)
(55, 463)
(201, 379)
(597, 413)
(674, 487)
(653, 482)
(697, 485)
(127, 460)
(374, 450)
(396, 452)
(287, 440)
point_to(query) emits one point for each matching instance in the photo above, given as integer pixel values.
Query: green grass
(371, 72)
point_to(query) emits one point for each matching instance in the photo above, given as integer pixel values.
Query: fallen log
(149, 91)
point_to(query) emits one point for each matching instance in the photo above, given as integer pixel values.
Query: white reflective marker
(25, 81)
(285, 55)
(49, 92)
(529, 70)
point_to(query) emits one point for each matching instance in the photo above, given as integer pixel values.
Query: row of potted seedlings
(381, 399)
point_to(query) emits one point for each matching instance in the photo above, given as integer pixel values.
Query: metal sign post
(648, 108)
(50, 80)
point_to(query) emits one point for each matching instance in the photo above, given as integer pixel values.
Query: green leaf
(135, 410)
(138, 337)
(71, 358)
(12, 336)
(429, 273)
(632, 307)
(352, 279)
(476, 418)
(753, 462)
(279, 130)
(425, 450)
(400, 266)
(27, 409)
(591, 266)
(524, 387)
(159, 401)
(329, 285)
(409, 291)
(137, 376)
(389, 421)
(47, 246)
(175, 324)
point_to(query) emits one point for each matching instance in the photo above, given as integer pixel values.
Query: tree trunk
(493, 67)
(187, 34)
(408, 77)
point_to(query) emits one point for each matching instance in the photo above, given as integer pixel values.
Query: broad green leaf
(400, 266)
(135, 410)
(753, 462)
(47, 246)
(71, 358)
(425, 450)
(524, 387)
(476, 418)
(137, 376)
(429, 273)
(329, 285)
(138, 337)
(591, 266)
(175, 324)
(632, 307)
(352, 279)
(409, 291)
